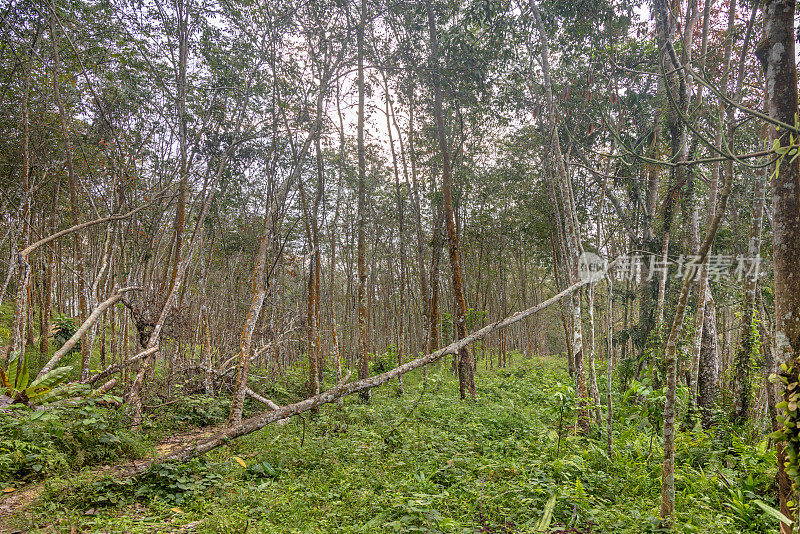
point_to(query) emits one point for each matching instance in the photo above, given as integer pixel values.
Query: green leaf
(547, 515)
(778, 435)
(19, 377)
(774, 513)
(46, 383)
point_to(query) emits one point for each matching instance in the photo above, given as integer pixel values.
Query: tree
(466, 368)
(776, 52)
(568, 237)
(363, 355)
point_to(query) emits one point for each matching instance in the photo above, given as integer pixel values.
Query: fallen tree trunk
(271, 405)
(343, 389)
(79, 333)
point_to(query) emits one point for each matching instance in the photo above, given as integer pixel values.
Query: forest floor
(16, 502)
(428, 462)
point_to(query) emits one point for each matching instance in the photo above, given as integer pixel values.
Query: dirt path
(14, 502)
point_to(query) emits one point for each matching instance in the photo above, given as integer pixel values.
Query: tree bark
(401, 345)
(610, 369)
(777, 53)
(73, 202)
(748, 345)
(708, 376)
(466, 368)
(571, 240)
(182, 16)
(675, 81)
(16, 346)
(414, 190)
(363, 355)
(253, 314)
(594, 390)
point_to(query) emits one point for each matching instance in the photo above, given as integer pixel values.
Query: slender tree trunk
(180, 104)
(16, 346)
(204, 319)
(319, 353)
(260, 281)
(77, 248)
(594, 391)
(334, 228)
(768, 345)
(650, 284)
(47, 300)
(436, 255)
(155, 337)
(699, 318)
(571, 241)
(363, 355)
(12, 263)
(675, 83)
(466, 368)
(336, 353)
(708, 376)
(311, 342)
(742, 386)
(417, 208)
(748, 345)
(609, 369)
(401, 346)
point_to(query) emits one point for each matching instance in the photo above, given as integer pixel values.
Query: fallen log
(343, 388)
(79, 333)
(271, 405)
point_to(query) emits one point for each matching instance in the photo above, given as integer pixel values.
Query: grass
(428, 462)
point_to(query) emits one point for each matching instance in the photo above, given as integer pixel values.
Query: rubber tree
(466, 368)
(776, 51)
(569, 239)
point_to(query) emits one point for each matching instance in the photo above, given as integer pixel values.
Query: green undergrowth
(506, 462)
(60, 439)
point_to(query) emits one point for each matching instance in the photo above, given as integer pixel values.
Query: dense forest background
(204, 199)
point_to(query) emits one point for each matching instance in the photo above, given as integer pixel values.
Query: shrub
(39, 443)
(192, 411)
(171, 482)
